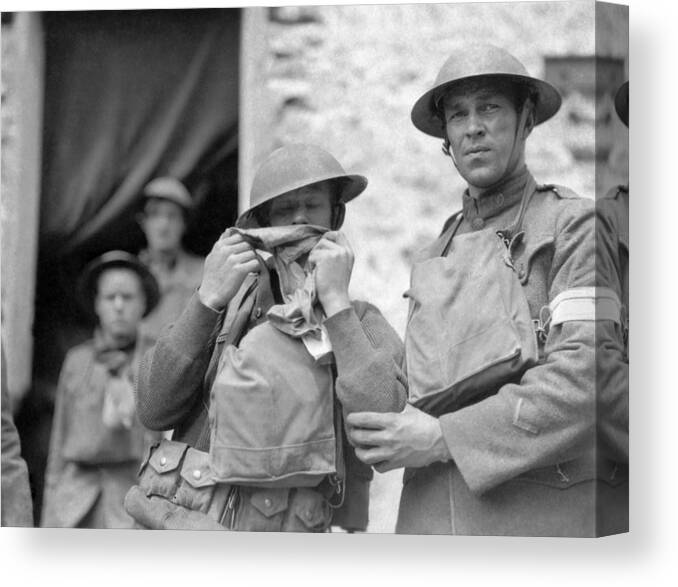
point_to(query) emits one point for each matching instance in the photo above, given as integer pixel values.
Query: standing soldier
(166, 207)
(499, 435)
(613, 242)
(615, 206)
(97, 441)
(297, 185)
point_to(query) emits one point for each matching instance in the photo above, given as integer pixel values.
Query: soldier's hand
(388, 441)
(226, 267)
(332, 259)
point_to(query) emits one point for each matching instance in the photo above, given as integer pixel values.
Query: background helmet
(621, 103)
(477, 61)
(295, 166)
(169, 188)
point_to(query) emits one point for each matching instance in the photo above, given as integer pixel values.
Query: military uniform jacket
(177, 285)
(176, 375)
(524, 459)
(92, 487)
(612, 264)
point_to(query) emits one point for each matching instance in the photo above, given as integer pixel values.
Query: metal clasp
(337, 483)
(232, 502)
(510, 242)
(541, 324)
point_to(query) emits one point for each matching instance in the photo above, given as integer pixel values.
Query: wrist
(335, 303)
(441, 451)
(211, 301)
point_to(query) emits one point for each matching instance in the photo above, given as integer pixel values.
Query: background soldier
(97, 441)
(612, 236)
(166, 208)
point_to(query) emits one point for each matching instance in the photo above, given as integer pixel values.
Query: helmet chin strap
(338, 215)
(513, 156)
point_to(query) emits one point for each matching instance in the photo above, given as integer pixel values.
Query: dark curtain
(129, 95)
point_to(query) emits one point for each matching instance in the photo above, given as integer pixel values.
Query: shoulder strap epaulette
(560, 190)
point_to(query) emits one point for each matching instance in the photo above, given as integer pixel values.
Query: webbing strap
(446, 238)
(585, 303)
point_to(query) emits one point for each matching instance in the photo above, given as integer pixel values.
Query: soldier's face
(163, 224)
(120, 302)
(307, 205)
(481, 128)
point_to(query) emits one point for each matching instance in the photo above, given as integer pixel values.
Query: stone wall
(345, 77)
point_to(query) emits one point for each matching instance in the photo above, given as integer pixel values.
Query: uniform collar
(495, 200)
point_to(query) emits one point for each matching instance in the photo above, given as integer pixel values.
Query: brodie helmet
(295, 166)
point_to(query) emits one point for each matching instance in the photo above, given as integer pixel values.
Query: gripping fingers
(363, 437)
(237, 247)
(229, 233)
(370, 456)
(243, 257)
(250, 266)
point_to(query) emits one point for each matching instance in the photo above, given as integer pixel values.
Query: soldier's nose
(474, 127)
(300, 217)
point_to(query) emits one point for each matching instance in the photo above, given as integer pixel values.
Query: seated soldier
(297, 185)
(97, 441)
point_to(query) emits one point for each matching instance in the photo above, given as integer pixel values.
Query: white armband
(585, 303)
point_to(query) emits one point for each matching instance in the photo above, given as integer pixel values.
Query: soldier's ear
(338, 215)
(140, 217)
(529, 119)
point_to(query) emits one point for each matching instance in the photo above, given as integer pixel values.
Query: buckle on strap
(541, 324)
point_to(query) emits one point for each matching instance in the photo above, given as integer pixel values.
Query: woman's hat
(88, 282)
(168, 188)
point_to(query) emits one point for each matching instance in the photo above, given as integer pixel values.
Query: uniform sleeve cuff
(194, 327)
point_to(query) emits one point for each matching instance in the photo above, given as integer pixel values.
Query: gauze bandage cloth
(287, 244)
(272, 400)
(299, 316)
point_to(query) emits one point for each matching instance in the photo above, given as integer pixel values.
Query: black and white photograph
(272, 288)
(317, 269)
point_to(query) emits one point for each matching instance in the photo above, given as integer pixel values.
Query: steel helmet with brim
(471, 61)
(296, 166)
(168, 188)
(89, 279)
(621, 103)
